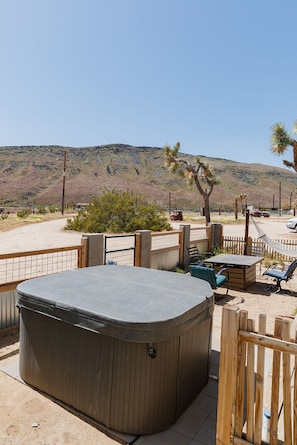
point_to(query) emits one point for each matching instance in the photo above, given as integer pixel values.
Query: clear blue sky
(212, 74)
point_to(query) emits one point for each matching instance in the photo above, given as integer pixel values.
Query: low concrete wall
(165, 259)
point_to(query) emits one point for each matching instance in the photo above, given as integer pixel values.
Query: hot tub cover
(130, 303)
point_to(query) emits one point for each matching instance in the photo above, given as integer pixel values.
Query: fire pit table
(242, 268)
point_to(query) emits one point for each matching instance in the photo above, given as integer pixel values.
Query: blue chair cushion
(220, 279)
(276, 274)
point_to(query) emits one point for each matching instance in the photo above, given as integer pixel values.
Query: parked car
(256, 213)
(292, 224)
(177, 215)
(265, 214)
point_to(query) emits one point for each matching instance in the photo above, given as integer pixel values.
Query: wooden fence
(248, 384)
(236, 245)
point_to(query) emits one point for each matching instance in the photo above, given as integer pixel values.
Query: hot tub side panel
(118, 383)
(144, 389)
(71, 364)
(193, 364)
(112, 381)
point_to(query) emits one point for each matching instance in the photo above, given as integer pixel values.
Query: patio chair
(281, 275)
(196, 256)
(208, 274)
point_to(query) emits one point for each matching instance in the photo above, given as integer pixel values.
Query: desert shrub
(23, 213)
(52, 208)
(41, 210)
(119, 212)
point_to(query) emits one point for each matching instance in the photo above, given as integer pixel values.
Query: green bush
(41, 210)
(119, 212)
(23, 213)
(52, 208)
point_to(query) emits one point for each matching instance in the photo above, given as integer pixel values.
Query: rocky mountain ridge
(32, 175)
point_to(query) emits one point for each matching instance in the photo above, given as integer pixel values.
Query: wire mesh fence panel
(164, 240)
(198, 233)
(33, 265)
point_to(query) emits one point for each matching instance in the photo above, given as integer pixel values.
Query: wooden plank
(236, 277)
(243, 316)
(250, 275)
(250, 386)
(5, 256)
(240, 441)
(269, 342)
(227, 376)
(287, 385)
(240, 277)
(275, 386)
(260, 383)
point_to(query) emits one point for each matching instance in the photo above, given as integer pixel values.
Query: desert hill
(32, 175)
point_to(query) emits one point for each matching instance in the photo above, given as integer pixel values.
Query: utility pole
(64, 177)
(246, 234)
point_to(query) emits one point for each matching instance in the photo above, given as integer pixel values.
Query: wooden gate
(257, 372)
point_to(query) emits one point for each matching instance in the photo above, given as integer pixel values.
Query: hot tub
(128, 347)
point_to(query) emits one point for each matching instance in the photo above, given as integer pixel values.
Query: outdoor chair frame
(280, 275)
(196, 256)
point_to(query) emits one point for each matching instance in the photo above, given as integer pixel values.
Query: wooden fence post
(84, 252)
(227, 376)
(260, 383)
(286, 330)
(275, 385)
(243, 317)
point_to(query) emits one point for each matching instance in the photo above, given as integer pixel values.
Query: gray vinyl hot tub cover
(131, 303)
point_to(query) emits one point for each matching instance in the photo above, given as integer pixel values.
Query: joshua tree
(199, 172)
(281, 140)
(241, 198)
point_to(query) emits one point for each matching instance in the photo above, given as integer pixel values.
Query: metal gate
(119, 249)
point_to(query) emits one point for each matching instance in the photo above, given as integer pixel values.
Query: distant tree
(242, 198)
(281, 140)
(119, 212)
(199, 172)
